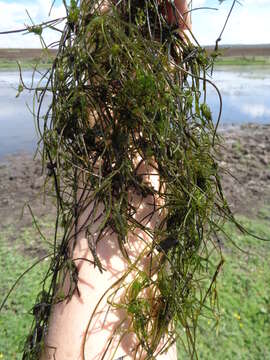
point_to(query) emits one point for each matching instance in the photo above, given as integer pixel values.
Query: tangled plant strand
(126, 95)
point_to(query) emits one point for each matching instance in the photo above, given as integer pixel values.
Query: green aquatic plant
(126, 85)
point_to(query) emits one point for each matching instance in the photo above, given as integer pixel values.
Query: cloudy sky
(249, 23)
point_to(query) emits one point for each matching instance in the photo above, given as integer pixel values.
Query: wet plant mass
(126, 95)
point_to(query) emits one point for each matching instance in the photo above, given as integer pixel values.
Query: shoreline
(7, 65)
(238, 55)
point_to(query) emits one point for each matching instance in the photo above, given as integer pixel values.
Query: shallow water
(17, 126)
(245, 92)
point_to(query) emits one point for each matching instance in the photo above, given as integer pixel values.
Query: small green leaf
(206, 112)
(20, 89)
(37, 30)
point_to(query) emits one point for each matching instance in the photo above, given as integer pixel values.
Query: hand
(180, 15)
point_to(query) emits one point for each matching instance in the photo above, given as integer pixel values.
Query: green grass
(15, 318)
(6, 64)
(252, 60)
(243, 329)
(25, 64)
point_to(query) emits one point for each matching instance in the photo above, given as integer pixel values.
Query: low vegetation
(6, 64)
(246, 60)
(18, 251)
(241, 331)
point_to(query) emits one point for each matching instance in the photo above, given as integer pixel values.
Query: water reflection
(17, 128)
(256, 110)
(245, 92)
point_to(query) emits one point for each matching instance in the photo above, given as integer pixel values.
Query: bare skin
(74, 334)
(182, 14)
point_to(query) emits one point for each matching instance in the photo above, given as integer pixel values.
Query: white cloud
(13, 16)
(198, 3)
(248, 24)
(256, 2)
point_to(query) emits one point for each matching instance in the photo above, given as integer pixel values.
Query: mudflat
(242, 50)
(244, 159)
(23, 54)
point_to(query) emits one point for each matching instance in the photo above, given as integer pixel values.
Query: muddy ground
(23, 54)
(21, 184)
(245, 156)
(245, 164)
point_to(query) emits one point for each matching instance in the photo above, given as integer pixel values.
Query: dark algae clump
(126, 85)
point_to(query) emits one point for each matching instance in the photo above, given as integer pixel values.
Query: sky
(248, 24)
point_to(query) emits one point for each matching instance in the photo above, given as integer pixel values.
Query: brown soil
(21, 183)
(245, 163)
(22, 54)
(242, 50)
(245, 154)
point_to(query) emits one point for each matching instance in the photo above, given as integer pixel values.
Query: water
(245, 92)
(17, 127)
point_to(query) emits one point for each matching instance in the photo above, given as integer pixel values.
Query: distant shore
(28, 58)
(229, 55)
(242, 61)
(242, 54)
